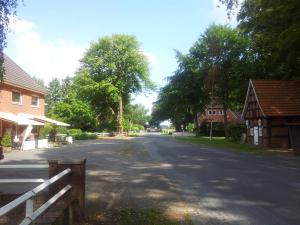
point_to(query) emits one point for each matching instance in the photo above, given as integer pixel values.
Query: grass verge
(221, 142)
(129, 216)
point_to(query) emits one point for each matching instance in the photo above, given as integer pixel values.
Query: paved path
(212, 185)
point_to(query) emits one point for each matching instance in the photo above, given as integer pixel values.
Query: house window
(16, 97)
(34, 101)
(214, 112)
(209, 112)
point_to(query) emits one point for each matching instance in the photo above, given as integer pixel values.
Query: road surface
(212, 186)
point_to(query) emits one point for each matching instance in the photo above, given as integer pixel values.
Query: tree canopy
(118, 62)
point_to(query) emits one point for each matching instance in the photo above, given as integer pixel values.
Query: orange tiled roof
(278, 97)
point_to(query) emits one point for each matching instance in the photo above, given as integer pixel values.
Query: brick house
(22, 102)
(215, 114)
(270, 106)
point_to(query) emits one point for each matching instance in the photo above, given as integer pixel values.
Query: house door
(255, 136)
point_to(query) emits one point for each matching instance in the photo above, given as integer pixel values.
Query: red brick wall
(6, 104)
(218, 118)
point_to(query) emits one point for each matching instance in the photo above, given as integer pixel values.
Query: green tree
(222, 53)
(7, 9)
(57, 91)
(54, 94)
(119, 61)
(183, 97)
(136, 115)
(75, 112)
(274, 27)
(102, 96)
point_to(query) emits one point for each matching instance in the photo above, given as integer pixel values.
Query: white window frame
(209, 112)
(38, 101)
(21, 97)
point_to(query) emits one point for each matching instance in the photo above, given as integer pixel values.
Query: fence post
(76, 180)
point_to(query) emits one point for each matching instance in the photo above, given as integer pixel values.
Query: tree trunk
(225, 123)
(120, 116)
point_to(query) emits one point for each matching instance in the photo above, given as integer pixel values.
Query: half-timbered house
(270, 106)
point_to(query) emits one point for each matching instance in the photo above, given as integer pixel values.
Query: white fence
(28, 197)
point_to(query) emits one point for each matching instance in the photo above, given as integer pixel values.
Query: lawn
(221, 142)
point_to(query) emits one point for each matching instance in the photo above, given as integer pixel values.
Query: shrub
(45, 130)
(217, 131)
(235, 131)
(85, 136)
(74, 132)
(62, 130)
(190, 127)
(6, 140)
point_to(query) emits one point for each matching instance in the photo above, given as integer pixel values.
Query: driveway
(211, 185)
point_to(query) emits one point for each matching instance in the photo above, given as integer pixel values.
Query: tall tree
(274, 27)
(183, 97)
(222, 53)
(118, 60)
(7, 9)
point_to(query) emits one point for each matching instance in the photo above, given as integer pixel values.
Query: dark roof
(278, 97)
(15, 75)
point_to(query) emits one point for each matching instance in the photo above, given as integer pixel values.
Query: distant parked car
(1, 153)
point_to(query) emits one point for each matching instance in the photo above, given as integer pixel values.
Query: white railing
(30, 214)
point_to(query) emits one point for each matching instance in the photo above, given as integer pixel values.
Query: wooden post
(76, 180)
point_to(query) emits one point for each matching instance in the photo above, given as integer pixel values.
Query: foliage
(57, 91)
(73, 132)
(236, 131)
(135, 118)
(190, 127)
(62, 130)
(274, 29)
(45, 130)
(6, 140)
(183, 97)
(84, 136)
(75, 112)
(101, 96)
(217, 129)
(7, 9)
(117, 60)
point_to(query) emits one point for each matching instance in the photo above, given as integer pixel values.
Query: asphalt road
(213, 186)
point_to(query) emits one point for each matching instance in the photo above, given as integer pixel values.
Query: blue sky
(49, 37)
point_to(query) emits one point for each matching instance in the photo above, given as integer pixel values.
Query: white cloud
(57, 58)
(219, 14)
(151, 58)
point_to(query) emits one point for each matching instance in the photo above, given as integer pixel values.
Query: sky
(48, 38)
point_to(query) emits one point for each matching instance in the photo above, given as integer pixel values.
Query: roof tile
(278, 97)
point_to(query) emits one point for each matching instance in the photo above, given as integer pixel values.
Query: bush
(84, 136)
(235, 131)
(74, 132)
(218, 129)
(46, 130)
(190, 127)
(6, 140)
(62, 130)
